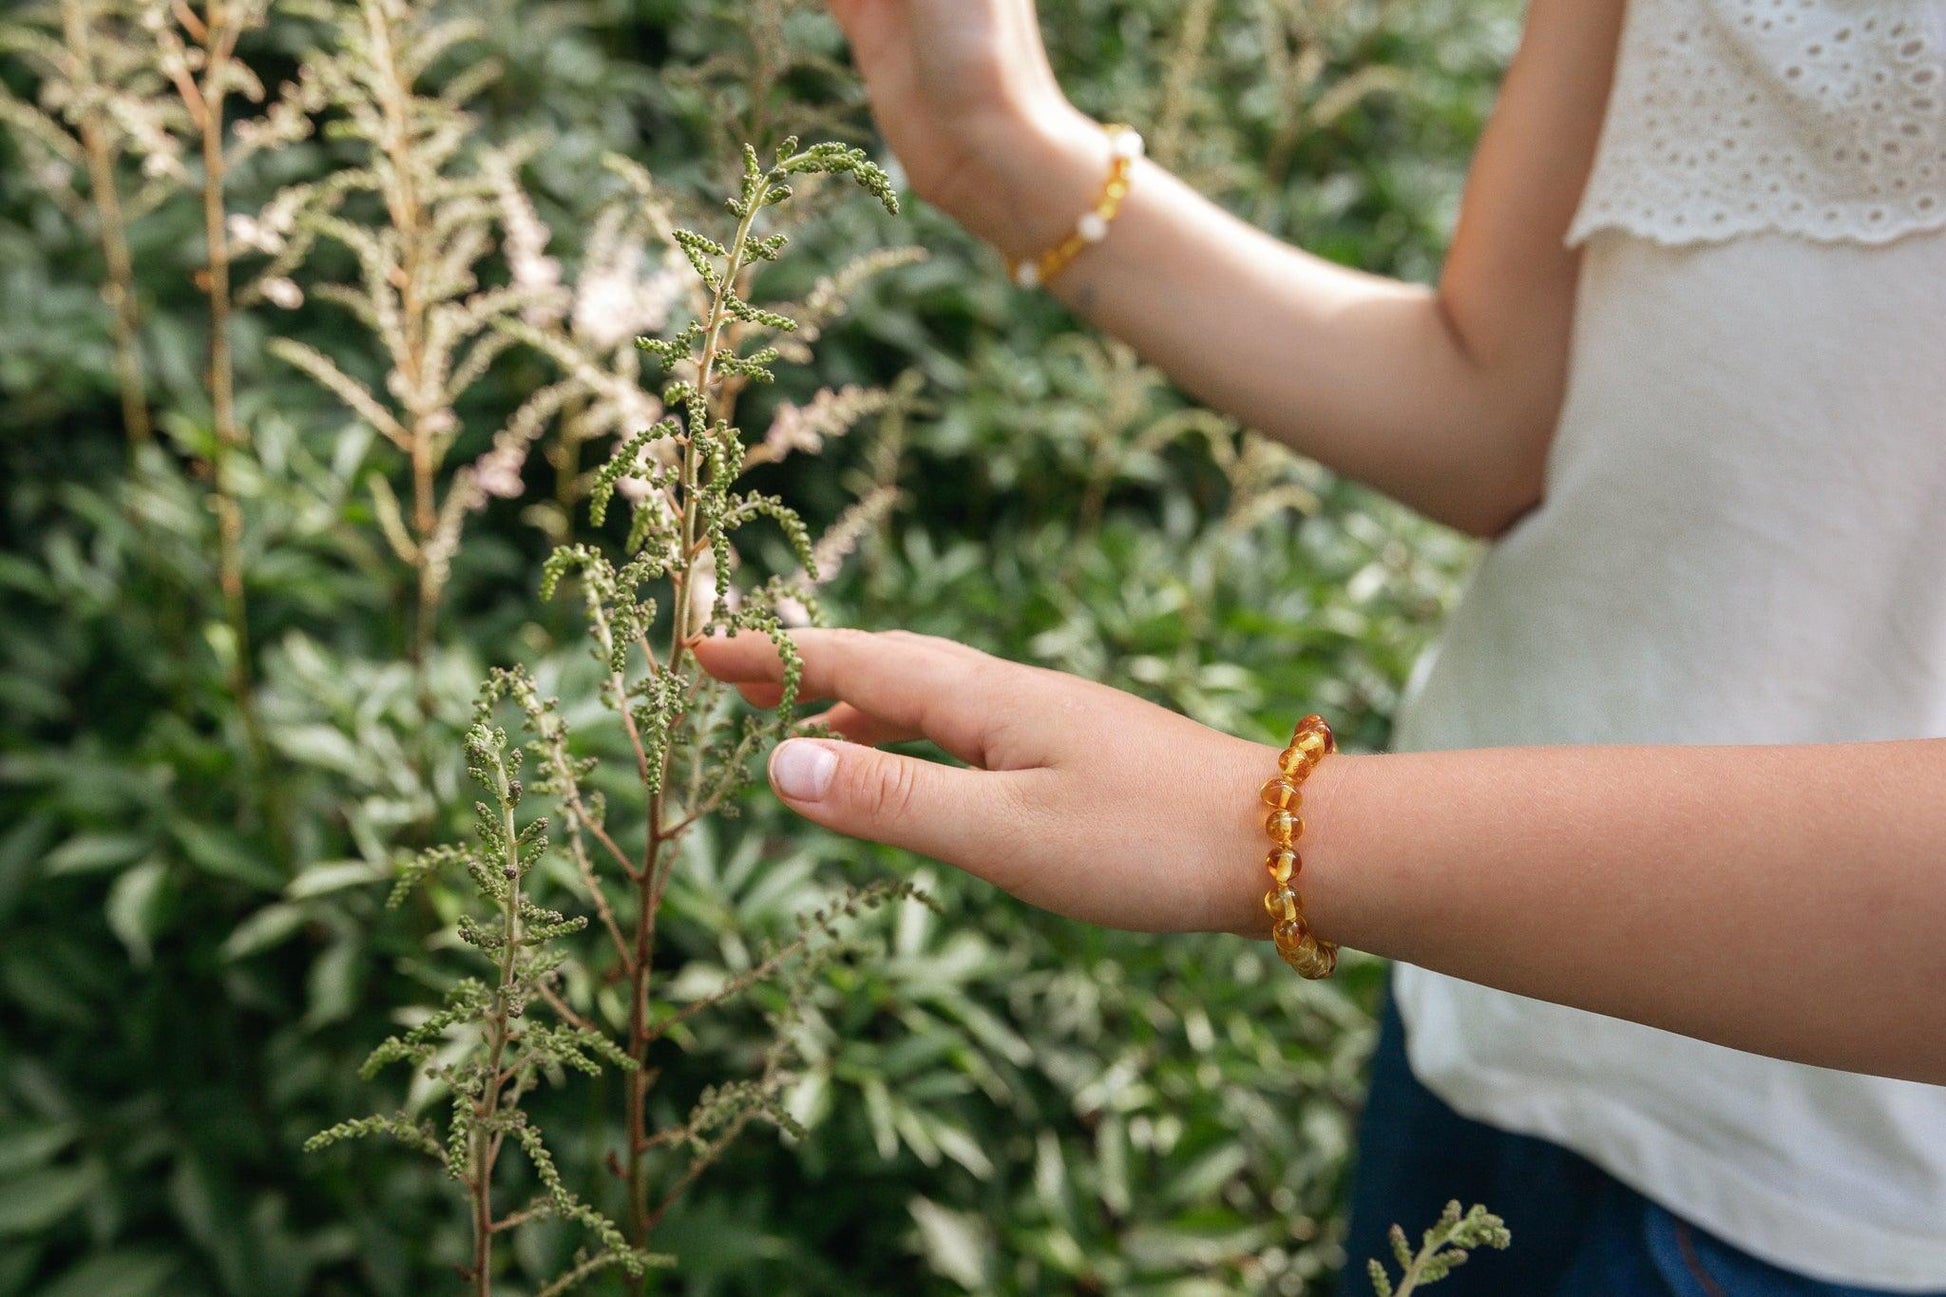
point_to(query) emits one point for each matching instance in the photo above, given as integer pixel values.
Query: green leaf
(225, 855)
(36, 1201)
(135, 909)
(958, 1245)
(270, 926)
(333, 876)
(88, 853)
(333, 984)
(321, 746)
(36, 1144)
(116, 1274)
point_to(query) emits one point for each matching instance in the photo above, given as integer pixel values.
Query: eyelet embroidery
(1821, 118)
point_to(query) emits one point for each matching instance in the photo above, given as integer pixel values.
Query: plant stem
(655, 863)
(119, 288)
(411, 351)
(219, 35)
(486, 1142)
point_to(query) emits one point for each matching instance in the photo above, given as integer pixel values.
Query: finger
(854, 725)
(914, 684)
(863, 728)
(765, 696)
(973, 819)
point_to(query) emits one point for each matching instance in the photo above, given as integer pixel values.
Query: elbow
(1489, 514)
(1493, 525)
(1513, 479)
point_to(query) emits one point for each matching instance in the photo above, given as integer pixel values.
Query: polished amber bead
(1280, 794)
(1311, 743)
(1312, 958)
(1295, 764)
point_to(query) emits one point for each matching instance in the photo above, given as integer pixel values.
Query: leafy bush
(208, 791)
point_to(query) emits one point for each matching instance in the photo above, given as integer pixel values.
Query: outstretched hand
(1080, 799)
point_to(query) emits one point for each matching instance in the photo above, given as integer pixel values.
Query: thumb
(959, 816)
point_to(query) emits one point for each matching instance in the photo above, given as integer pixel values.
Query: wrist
(1036, 171)
(1331, 797)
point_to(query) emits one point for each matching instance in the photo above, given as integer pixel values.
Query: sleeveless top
(1742, 539)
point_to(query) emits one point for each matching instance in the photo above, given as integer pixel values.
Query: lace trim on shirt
(1822, 118)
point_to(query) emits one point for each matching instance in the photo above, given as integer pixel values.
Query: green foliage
(1445, 1245)
(979, 1100)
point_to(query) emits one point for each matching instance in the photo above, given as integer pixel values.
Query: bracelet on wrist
(1124, 147)
(1311, 955)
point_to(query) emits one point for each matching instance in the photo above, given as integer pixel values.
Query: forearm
(1784, 900)
(1368, 375)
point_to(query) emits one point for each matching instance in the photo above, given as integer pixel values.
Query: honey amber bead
(1280, 794)
(1317, 724)
(1294, 764)
(1312, 958)
(1311, 741)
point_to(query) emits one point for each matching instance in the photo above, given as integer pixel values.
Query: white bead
(1127, 145)
(1093, 227)
(1027, 274)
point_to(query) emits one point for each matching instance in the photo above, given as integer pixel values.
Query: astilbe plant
(680, 480)
(691, 754)
(619, 291)
(420, 256)
(104, 103)
(507, 1052)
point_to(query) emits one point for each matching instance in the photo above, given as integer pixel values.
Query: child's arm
(1443, 398)
(1784, 900)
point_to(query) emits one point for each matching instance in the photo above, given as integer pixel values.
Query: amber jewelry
(1124, 147)
(1309, 954)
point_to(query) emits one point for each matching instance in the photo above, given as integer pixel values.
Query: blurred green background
(997, 1101)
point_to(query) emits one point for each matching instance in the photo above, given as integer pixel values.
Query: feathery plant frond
(672, 578)
(508, 1052)
(104, 105)
(1446, 1245)
(449, 203)
(678, 478)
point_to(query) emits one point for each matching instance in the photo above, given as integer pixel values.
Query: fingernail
(802, 770)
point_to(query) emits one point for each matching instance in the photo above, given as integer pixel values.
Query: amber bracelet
(1309, 954)
(1124, 147)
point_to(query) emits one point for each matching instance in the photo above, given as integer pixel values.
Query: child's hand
(1083, 800)
(962, 91)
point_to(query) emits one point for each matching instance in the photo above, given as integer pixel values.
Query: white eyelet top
(1825, 118)
(1742, 540)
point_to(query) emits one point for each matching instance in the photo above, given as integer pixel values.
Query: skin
(1782, 900)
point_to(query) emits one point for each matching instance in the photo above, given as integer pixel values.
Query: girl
(1671, 991)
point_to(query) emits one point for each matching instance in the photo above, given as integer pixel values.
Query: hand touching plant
(1080, 799)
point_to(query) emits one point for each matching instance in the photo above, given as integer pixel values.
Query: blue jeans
(1578, 1231)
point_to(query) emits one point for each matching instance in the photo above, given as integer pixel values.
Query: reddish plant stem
(118, 288)
(661, 834)
(207, 97)
(486, 1142)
